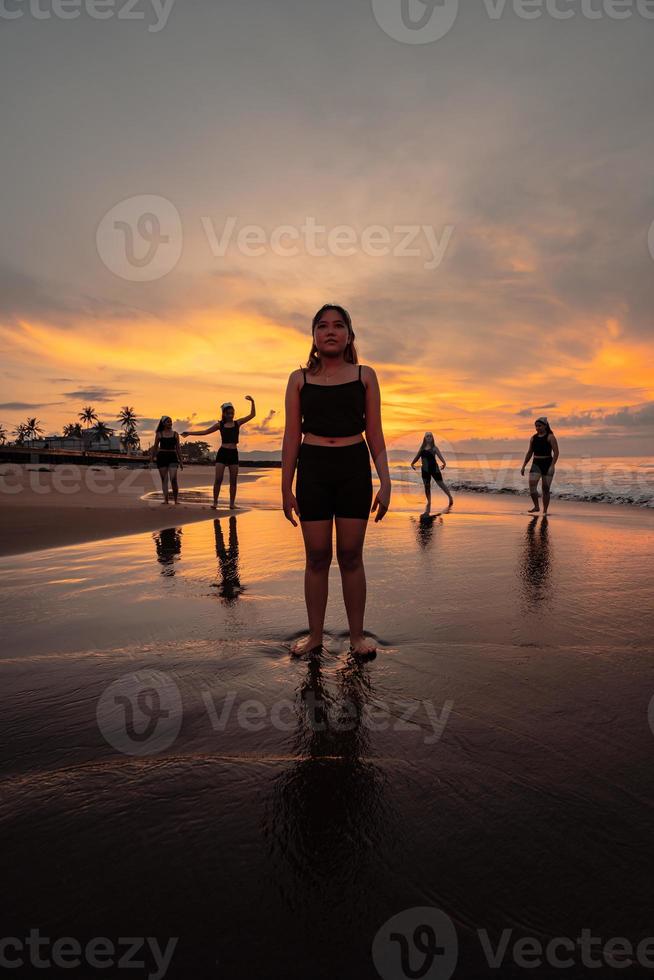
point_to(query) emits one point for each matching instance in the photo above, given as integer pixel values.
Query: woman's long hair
(428, 438)
(350, 352)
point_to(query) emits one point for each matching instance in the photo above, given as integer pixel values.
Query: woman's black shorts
(167, 457)
(227, 456)
(541, 466)
(333, 481)
(434, 471)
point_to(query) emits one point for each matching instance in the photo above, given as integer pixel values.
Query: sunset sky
(524, 147)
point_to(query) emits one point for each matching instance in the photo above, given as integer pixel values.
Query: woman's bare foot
(534, 510)
(363, 646)
(214, 506)
(164, 502)
(305, 644)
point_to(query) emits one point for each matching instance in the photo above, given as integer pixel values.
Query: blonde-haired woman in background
(430, 469)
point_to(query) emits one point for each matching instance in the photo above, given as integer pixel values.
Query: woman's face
(331, 334)
(166, 422)
(541, 428)
(228, 414)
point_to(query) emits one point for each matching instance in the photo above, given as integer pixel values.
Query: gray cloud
(26, 406)
(97, 394)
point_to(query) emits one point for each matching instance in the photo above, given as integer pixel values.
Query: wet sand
(41, 508)
(493, 762)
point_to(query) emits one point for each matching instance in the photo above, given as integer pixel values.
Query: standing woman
(333, 401)
(227, 455)
(430, 468)
(545, 450)
(166, 453)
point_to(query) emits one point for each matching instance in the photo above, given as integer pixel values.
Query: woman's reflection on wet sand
(536, 566)
(169, 548)
(327, 821)
(229, 586)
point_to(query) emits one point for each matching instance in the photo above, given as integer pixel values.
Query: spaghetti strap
(304, 375)
(359, 372)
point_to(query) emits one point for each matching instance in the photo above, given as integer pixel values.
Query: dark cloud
(26, 406)
(96, 394)
(640, 418)
(528, 412)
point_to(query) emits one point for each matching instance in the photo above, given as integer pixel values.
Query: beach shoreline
(55, 507)
(45, 508)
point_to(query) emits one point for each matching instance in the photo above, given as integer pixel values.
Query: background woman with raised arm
(545, 450)
(332, 402)
(227, 455)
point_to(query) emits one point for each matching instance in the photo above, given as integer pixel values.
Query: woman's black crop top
(541, 446)
(333, 410)
(229, 435)
(168, 442)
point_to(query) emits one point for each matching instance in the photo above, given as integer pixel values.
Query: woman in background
(332, 402)
(227, 455)
(545, 450)
(166, 453)
(431, 470)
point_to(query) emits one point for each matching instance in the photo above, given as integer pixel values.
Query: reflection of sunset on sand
(325, 781)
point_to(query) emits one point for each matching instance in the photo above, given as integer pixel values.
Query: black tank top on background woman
(333, 410)
(229, 435)
(541, 446)
(167, 442)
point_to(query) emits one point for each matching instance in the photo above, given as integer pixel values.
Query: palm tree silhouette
(102, 430)
(88, 415)
(20, 434)
(33, 429)
(128, 419)
(73, 431)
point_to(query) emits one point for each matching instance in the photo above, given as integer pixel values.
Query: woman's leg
(318, 548)
(446, 490)
(220, 469)
(547, 483)
(233, 480)
(173, 482)
(350, 535)
(427, 485)
(534, 477)
(163, 473)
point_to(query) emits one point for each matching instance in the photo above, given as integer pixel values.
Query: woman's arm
(155, 448)
(416, 457)
(291, 445)
(376, 443)
(439, 454)
(530, 453)
(246, 418)
(204, 432)
(178, 449)
(555, 448)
